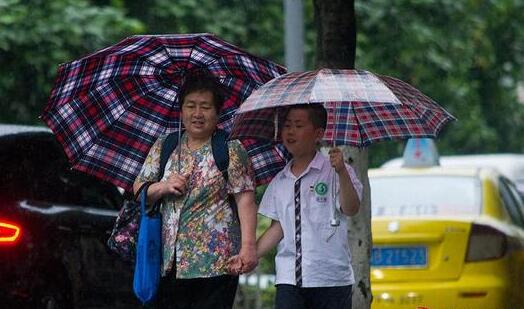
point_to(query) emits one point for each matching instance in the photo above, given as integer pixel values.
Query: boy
(313, 262)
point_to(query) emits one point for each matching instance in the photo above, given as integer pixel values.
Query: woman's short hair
(202, 80)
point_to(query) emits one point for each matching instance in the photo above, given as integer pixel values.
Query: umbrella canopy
(362, 107)
(108, 108)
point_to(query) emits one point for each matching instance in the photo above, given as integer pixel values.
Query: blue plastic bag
(148, 254)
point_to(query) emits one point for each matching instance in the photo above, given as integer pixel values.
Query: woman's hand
(234, 265)
(244, 262)
(175, 184)
(248, 256)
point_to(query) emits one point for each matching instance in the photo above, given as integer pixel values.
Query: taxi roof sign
(420, 152)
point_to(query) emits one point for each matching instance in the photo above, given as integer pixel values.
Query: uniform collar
(317, 163)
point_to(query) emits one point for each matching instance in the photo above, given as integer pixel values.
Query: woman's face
(199, 115)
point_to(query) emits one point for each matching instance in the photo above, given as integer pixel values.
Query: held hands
(244, 262)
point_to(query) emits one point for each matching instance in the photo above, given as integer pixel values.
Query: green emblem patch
(321, 188)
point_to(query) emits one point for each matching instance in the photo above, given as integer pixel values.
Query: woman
(201, 232)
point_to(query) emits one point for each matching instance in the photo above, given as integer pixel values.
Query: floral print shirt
(200, 225)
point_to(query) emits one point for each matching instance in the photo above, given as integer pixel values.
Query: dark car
(54, 224)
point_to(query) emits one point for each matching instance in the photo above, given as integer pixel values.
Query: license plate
(399, 257)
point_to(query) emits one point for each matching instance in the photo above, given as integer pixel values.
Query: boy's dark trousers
(291, 297)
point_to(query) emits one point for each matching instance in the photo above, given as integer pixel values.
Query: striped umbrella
(109, 107)
(363, 107)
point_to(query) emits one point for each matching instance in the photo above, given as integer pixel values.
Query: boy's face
(299, 135)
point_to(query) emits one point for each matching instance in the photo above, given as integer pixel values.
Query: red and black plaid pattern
(267, 158)
(109, 107)
(363, 107)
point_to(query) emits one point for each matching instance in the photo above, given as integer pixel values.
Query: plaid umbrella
(363, 107)
(108, 108)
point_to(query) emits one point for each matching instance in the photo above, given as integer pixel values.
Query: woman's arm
(247, 214)
(174, 184)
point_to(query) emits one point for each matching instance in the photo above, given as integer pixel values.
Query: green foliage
(256, 25)
(36, 36)
(467, 55)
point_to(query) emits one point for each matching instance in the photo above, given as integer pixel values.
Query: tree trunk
(336, 48)
(336, 33)
(360, 231)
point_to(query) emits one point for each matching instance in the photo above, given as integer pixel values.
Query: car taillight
(485, 243)
(9, 233)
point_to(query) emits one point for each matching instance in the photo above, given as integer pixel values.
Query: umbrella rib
(358, 124)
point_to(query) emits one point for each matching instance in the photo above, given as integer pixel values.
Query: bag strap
(142, 187)
(143, 197)
(168, 146)
(142, 193)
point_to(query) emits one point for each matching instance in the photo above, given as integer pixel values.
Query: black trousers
(291, 297)
(199, 293)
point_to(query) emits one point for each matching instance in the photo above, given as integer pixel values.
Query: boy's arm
(349, 201)
(348, 198)
(270, 238)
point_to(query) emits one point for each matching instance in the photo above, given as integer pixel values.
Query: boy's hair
(201, 80)
(317, 114)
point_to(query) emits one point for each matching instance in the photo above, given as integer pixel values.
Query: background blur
(467, 55)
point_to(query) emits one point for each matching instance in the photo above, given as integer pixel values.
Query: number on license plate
(399, 257)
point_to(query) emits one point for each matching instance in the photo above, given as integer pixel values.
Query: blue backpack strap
(168, 147)
(220, 150)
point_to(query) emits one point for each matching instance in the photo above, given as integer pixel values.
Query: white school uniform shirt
(326, 259)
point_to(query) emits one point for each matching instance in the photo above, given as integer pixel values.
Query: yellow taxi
(446, 237)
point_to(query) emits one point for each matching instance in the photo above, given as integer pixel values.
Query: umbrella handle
(275, 124)
(334, 220)
(179, 161)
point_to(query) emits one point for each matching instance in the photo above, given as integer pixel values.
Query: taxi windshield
(427, 195)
